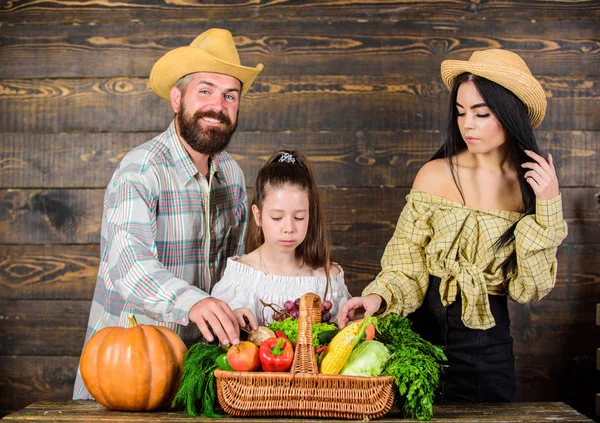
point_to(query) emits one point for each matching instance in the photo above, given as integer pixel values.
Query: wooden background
(354, 84)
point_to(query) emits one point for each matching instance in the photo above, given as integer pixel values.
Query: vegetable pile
(385, 346)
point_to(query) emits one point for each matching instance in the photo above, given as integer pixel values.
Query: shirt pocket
(228, 224)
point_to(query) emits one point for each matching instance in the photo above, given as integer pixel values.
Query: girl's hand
(541, 176)
(358, 307)
(245, 318)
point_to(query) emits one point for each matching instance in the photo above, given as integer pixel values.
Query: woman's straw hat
(504, 68)
(212, 51)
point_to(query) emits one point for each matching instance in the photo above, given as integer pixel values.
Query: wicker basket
(303, 391)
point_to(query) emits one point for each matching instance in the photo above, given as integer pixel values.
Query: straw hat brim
(524, 85)
(182, 61)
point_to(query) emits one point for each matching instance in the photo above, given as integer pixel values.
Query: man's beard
(205, 140)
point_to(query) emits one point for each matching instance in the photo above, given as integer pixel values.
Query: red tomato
(244, 357)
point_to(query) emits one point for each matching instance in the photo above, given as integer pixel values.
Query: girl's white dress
(244, 286)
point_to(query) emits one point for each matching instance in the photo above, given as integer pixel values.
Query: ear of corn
(342, 344)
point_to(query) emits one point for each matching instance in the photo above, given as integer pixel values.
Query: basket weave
(303, 391)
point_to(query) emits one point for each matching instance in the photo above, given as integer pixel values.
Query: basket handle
(309, 312)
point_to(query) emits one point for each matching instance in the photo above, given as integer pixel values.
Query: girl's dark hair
(292, 168)
(511, 112)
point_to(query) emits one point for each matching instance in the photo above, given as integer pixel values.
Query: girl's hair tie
(287, 158)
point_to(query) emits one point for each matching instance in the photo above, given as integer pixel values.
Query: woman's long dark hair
(511, 112)
(315, 250)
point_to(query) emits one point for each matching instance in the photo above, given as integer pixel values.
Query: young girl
(482, 222)
(289, 247)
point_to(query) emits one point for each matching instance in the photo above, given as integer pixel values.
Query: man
(176, 206)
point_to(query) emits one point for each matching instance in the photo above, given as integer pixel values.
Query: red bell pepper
(276, 355)
(323, 348)
(280, 334)
(321, 353)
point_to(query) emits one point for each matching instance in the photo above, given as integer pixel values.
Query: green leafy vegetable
(367, 359)
(325, 337)
(197, 392)
(290, 327)
(415, 365)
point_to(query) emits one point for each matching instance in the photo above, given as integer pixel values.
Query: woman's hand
(541, 176)
(358, 307)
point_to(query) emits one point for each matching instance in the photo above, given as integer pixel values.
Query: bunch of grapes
(291, 309)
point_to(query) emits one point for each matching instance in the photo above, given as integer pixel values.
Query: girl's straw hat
(212, 51)
(504, 68)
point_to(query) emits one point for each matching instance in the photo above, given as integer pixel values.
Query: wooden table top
(91, 411)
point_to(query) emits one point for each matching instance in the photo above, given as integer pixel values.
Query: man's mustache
(220, 116)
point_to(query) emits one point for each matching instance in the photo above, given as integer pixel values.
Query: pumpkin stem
(132, 321)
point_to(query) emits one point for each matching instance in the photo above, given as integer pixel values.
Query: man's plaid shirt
(166, 234)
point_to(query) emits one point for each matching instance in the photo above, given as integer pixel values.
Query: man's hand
(358, 307)
(218, 315)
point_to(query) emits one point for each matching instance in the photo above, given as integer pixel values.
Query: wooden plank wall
(353, 84)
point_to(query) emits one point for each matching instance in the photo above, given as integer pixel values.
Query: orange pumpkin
(133, 369)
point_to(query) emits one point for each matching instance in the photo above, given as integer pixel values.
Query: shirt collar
(182, 161)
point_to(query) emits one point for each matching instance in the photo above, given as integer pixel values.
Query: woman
(482, 222)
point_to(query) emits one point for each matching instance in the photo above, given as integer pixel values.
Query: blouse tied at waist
(439, 237)
(471, 281)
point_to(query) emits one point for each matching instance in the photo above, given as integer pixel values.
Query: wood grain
(90, 411)
(51, 160)
(43, 327)
(340, 158)
(27, 379)
(73, 216)
(401, 102)
(544, 378)
(372, 47)
(553, 328)
(58, 217)
(41, 272)
(60, 11)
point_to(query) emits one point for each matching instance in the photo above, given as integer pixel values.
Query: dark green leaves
(415, 365)
(197, 392)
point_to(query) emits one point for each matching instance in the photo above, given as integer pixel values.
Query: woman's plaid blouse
(439, 237)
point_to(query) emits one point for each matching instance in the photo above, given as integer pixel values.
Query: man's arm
(130, 229)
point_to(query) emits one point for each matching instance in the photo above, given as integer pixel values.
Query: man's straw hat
(504, 68)
(212, 51)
